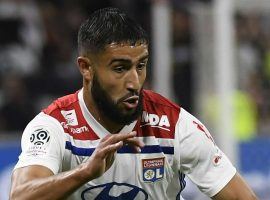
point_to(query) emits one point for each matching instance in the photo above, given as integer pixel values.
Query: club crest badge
(153, 169)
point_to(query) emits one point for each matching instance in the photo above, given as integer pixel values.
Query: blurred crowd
(38, 55)
(38, 48)
(253, 64)
(38, 52)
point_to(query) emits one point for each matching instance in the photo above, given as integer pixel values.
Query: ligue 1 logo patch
(153, 169)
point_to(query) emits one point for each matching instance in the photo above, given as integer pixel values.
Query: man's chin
(126, 116)
(126, 113)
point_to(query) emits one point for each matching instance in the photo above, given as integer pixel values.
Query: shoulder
(159, 116)
(156, 104)
(157, 107)
(44, 121)
(65, 109)
(42, 143)
(151, 97)
(191, 127)
(42, 129)
(62, 103)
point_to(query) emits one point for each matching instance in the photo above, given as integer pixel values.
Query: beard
(111, 108)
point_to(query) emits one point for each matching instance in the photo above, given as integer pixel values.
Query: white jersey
(65, 134)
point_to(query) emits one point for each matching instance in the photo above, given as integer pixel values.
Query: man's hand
(103, 157)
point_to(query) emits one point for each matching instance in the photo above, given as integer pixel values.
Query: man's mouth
(131, 102)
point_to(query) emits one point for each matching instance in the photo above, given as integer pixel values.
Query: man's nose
(133, 82)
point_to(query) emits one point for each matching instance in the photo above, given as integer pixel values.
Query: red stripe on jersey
(73, 122)
(159, 116)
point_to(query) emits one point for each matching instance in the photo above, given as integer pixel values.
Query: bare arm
(38, 182)
(236, 189)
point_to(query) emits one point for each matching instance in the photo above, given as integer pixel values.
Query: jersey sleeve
(200, 158)
(42, 143)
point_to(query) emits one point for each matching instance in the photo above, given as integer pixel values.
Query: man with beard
(114, 140)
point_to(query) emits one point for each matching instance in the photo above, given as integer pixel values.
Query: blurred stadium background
(210, 56)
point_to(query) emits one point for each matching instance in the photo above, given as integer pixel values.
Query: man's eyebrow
(120, 60)
(144, 57)
(126, 60)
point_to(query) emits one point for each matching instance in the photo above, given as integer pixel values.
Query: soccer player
(113, 139)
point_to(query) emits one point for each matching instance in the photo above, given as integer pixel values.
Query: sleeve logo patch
(153, 169)
(39, 140)
(217, 159)
(39, 137)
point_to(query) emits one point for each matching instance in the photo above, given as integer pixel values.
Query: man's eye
(141, 66)
(119, 69)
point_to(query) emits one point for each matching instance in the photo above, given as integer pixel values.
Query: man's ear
(85, 67)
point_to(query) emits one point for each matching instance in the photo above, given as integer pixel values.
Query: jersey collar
(94, 124)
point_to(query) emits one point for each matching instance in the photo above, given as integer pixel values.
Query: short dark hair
(106, 26)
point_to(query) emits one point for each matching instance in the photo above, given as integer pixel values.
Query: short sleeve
(42, 144)
(200, 159)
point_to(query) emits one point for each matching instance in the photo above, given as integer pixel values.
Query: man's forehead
(124, 51)
(122, 47)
